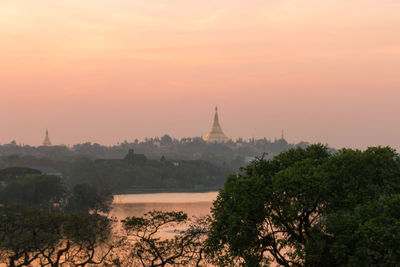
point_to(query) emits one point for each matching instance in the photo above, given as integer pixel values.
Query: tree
(148, 248)
(86, 240)
(23, 234)
(36, 236)
(361, 211)
(34, 190)
(166, 140)
(308, 207)
(85, 198)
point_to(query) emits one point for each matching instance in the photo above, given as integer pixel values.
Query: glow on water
(165, 198)
(193, 204)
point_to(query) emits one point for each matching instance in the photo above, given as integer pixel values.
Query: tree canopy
(34, 190)
(52, 237)
(41, 222)
(308, 207)
(85, 198)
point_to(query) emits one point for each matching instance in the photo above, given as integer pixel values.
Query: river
(194, 204)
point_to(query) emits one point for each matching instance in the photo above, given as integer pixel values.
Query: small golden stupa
(216, 135)
(46, 141)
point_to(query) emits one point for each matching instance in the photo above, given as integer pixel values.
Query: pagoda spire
(216, 120)
(46, 141)
(215, 135)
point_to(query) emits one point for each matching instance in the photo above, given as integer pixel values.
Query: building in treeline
(216, 135)
(46, 141)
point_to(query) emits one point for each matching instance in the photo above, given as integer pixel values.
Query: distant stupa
(216, 135)
(46, 141)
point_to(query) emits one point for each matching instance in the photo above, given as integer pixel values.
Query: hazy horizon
(109, 71)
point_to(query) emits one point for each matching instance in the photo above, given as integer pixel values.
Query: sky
(112, 70)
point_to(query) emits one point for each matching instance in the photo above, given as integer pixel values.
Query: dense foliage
(52, 238)
(43, 223)
(131, 174)
(125, 176)
(35, 190)
(85, 198)
(308, 207)
(29, 187)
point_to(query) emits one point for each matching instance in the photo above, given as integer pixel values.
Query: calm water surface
(194, 204)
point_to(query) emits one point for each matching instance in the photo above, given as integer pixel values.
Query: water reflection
(194, 204)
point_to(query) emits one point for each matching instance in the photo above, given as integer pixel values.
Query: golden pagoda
(216, 135)
(46, 141)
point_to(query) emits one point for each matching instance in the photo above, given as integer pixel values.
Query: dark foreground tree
(153, 240)
(52, 238)
(307, 207)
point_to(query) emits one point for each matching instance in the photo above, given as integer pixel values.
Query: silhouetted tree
(146, 248)
(308, 207)
(85, 198)
(52, 238)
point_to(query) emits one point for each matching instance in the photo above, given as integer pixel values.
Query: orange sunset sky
(112, 70)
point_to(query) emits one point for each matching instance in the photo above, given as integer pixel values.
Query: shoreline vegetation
(154, 165)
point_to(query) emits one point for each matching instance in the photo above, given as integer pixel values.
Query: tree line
(232, 153)
(132, 174)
